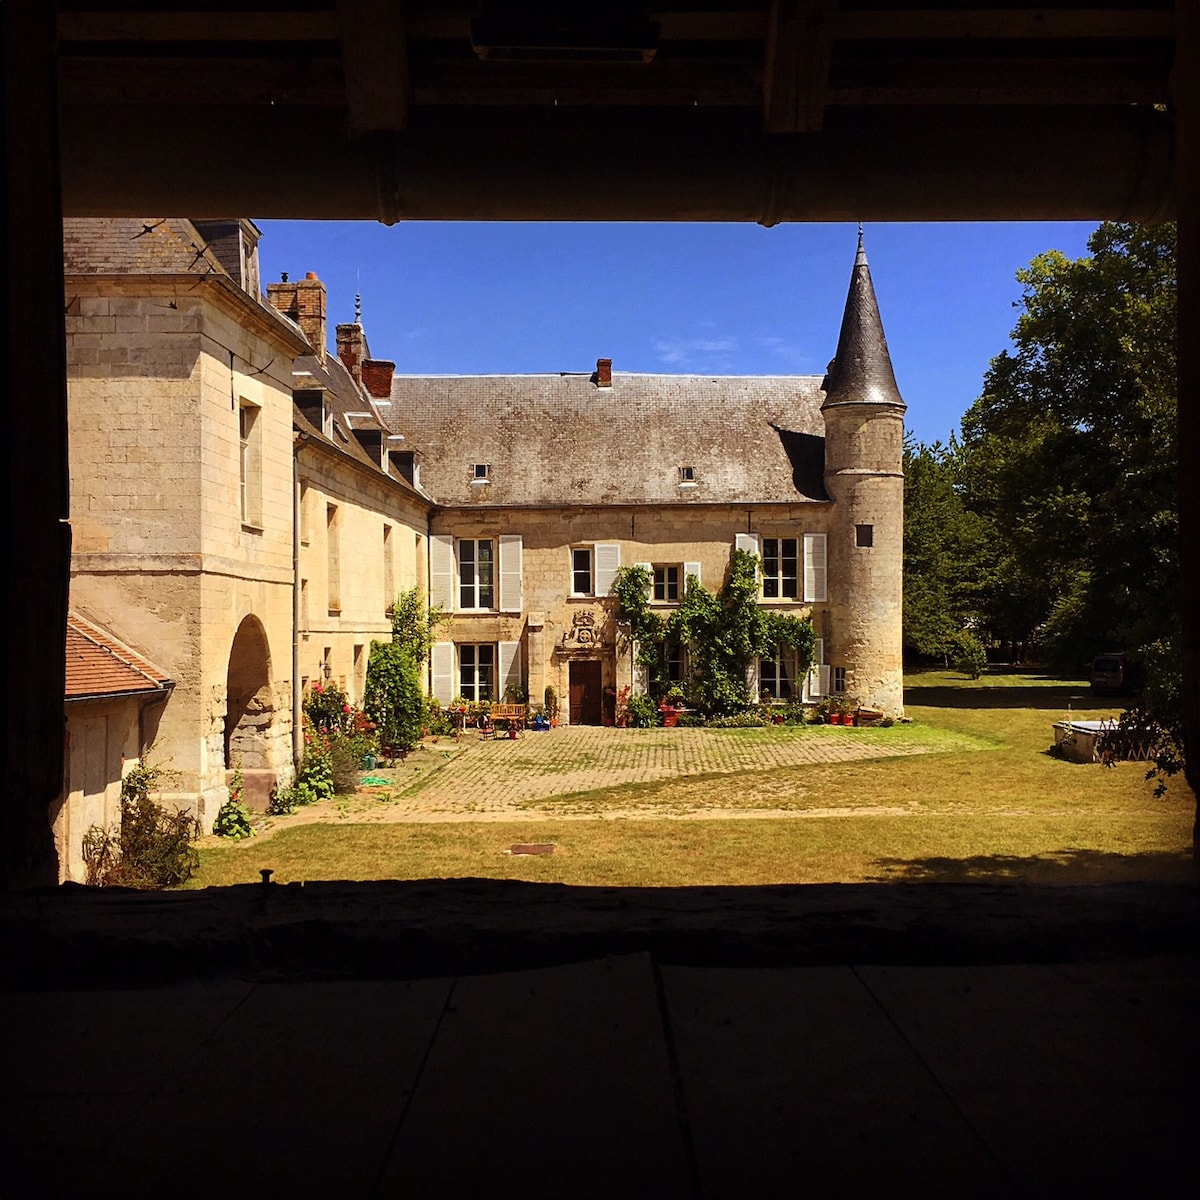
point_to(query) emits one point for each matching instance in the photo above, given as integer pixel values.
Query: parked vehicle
(1111, 675)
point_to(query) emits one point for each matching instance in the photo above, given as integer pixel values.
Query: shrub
(152, 847)
(233, 817)
(437, 720)
(328, 709)
(968, 654)
(394, 699)
(641, 711)
(743, 720)
(345, 762)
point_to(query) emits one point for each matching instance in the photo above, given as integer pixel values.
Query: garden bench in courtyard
(513, 716)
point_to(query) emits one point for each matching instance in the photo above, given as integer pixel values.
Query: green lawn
(985, 802)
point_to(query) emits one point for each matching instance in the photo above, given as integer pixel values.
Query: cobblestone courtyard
(475, 779)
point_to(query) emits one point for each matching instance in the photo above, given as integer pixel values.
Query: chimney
(604, 372)
(376, 376)
(303, 301)
(352, 349)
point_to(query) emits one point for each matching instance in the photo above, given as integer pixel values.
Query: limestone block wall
(677, 535)
(340, 617)
(157, 377)
(103, 744)
(864, 456)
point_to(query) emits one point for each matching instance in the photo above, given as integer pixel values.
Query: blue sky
(460, 298)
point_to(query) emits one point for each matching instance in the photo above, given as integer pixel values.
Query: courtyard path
(475, 779)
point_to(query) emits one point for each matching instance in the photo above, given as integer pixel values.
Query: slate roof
(99, 665)
(136, 246)
(861, 371)
(561, 439)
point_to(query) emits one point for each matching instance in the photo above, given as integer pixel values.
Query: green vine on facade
(723, 634)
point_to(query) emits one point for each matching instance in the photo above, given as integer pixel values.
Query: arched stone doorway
(249, 708)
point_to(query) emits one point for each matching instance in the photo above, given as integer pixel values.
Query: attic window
(687, 476)
(481, 473)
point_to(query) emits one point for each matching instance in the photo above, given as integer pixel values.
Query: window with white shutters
(608, 563)
(443, 672)
(476, 573)
(581, 571)
(509, 668)
(511, 555)
(441, 572)
(815, 572)
(476, 671)
(780, 568)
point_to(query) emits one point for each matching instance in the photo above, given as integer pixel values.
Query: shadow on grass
(1058, 867)
(1051, 698)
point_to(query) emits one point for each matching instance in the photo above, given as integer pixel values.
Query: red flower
(345, 708)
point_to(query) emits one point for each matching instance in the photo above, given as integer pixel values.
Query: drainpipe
(428, 597)
(297, 697)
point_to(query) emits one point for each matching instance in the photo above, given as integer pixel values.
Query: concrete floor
(621, 1076)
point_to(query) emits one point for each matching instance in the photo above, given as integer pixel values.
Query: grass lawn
(985, 801)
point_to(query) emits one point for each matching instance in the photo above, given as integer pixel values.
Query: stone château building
(246, 504)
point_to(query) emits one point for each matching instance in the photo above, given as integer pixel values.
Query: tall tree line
(1051, 528)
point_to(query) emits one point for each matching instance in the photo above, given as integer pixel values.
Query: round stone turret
(864, 476)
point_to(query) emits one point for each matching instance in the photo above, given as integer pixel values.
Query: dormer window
(481, 473)
(687, 476)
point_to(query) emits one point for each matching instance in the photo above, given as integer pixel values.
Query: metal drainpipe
(297, 696)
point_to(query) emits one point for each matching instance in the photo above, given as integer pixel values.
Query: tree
(1070, 457)
(394, 697)
(944, 551)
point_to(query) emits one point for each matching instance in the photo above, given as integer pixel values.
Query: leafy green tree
(1070, 456)
(945, 551)
(394, 697)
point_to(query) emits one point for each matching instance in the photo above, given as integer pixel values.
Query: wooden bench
(513, 716)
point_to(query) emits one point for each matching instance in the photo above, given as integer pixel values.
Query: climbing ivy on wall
(723, 633)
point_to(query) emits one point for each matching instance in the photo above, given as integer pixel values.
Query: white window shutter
(812, 680)
(649, 569)
(509, 656)
(690, 569)
(607, 564)
(815, 573)
(443, 672)
(511, 569)
(753, 679)
(823, 678)
(441, 572)
(747, 542)
(641, 675)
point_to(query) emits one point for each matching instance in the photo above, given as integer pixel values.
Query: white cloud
(701, 354)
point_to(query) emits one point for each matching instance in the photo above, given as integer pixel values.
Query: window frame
(476, 590)
(470, 689)
(778, 675)
(775, 583)
(576, 571)
(666, 583)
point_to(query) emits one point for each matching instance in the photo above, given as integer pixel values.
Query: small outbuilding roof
(98, 665)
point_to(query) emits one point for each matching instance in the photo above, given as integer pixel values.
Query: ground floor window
(776, 676)
(676, 662)
(837, 683)
(476, 671)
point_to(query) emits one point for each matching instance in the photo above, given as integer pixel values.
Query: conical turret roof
(861, 372)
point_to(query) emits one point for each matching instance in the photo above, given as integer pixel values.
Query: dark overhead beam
(796, 68)
(629, 164)
(375, 62)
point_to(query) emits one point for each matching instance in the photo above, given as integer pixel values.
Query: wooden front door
(586, 695)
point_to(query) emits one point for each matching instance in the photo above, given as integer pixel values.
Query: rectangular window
(781, 563)
(666, 584)
(304, 607)
(305, 514)
(676, 662)
(476, 573)
(389, 571)
(837, 683)
(476, 671)
(360, 673)
(581, 571)
(864, 535)
(776, 675)
(333, 555)
(250, 464)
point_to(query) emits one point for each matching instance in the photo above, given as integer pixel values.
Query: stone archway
(249, 707)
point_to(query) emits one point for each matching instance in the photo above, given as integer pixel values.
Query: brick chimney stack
(604, 372)
(352, 349)
(377, 376)
(304, 301)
